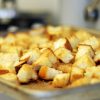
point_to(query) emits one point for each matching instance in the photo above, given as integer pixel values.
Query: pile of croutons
(62, 55)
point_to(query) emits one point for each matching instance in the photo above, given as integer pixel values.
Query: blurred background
(20, 14)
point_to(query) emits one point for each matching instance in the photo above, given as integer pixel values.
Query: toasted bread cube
(68, 31)
(65, 68)
(93, 41)
(61, 80)
(82, 35)
(62, 42)
(50, 55)
(48, 73)
(64, 55)
(76, 74)
(47, 58)
(42, 61)
(25, 73)
(9, 77)
(84, 49)
(93, 72)
(90, 71)
(84, 62)
(48, 44)
(80, 82)
(34, 55)
(97, 73)
(31, 55)
(74, 41)
(51, 30)
(7, 61)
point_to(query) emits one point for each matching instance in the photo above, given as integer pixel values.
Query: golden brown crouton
(84, 62)
(41, 61)
(9, 77)
(62, 42)
(54, 30)
(7, 61)
(74, 41)
(31, 55)
(65, 68)
(80, 82)
(82, 35)
(76, 74)
(93, 72)
(61, 80)
(89, 72)
(25, 74)
(84, 49)
(50, 55)
(48, 73)
(64, 55)
(93, 41)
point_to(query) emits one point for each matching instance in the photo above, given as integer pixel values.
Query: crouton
(47, 58)
(74, 41)
(84, 62)
(48, 44)
(61, 80)
(76, 74)
(9, 77)
(93, 41)
(84, 49)
(7, 61)
(80, 82)
(50, 55)
(90, 71)
(65, 68)
(68, 32)
(31, 55)
(82, 35)
(54, 30)
(64, 55)
(41, 61)
(93, 72)
(62, 42)
(25, 74)
(48, 73)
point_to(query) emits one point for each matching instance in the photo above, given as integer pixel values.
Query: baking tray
(23, 92)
